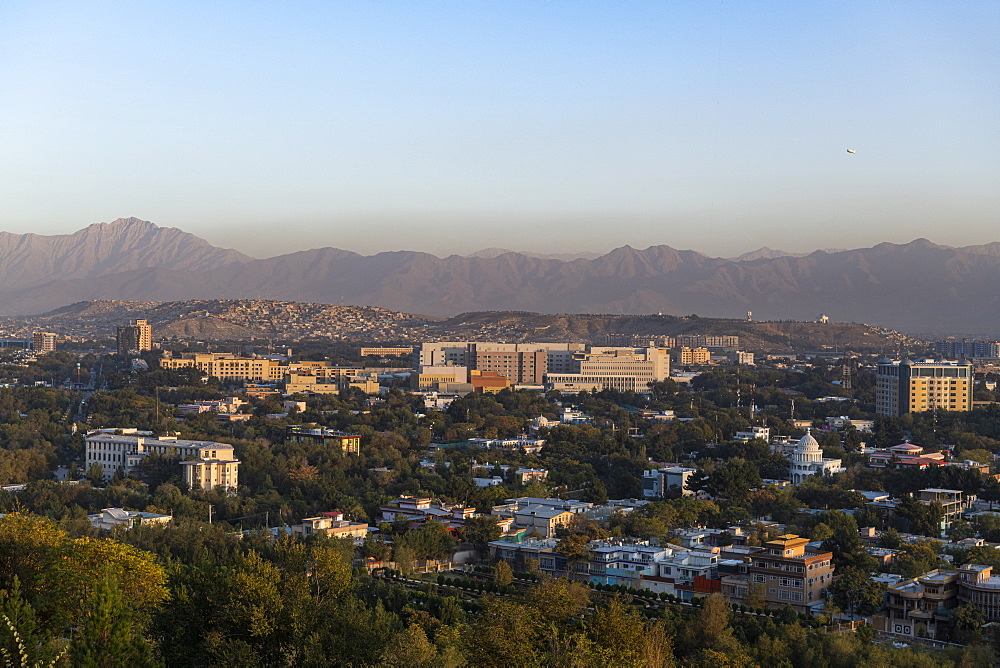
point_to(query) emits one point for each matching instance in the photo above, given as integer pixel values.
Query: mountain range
(919, 287)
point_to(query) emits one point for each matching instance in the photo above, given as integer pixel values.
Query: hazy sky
(548, 126)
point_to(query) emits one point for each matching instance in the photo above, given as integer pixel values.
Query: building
(621, 369)
(43, 342)
(206, 464)
(400, 351)
(516, 551)
(331, 524)
(135, 337)
(349, 444)
(226, 366)
(684, 356)
(967, 349)
(792, 575)
(707, 341)
(741, 357)
(109, 518)
(977, 585)
(920, 606)
(541, 516)
(906, 386)
(763, 433)
(657, 483)
(807, 460)
(954, 503)
(418, 510)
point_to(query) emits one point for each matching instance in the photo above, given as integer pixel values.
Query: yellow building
(401, 351)
(685, 355)
(226, 366)
(906, 386)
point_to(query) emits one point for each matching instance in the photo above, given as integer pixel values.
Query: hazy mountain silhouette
(919, 286)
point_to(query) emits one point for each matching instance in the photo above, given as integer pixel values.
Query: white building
(807, 459)
(206, 464)
(655, 483)
(113, 517)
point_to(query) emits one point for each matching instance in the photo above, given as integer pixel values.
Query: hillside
(242, 320)
(920, 287)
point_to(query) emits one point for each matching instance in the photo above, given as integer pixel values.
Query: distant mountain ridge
(919, 287)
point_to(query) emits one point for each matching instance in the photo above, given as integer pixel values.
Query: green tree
(111, 634)
(855, 592)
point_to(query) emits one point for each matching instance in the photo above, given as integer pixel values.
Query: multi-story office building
(520, 363)
(708, 341)
(906, 386)
(622, 369)
(135, 337)
(967, 349)
(659, 482)
(790, 574)
(401, 351)
(43, 342)
(206, 464)
(226, 366)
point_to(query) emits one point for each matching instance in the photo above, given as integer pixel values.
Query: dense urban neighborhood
(678, 499)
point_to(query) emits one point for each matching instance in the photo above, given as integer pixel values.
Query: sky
(549, 126)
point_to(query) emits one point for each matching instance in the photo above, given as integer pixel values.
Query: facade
(977, 585)
(135, 337)
(333, 525)
(206, 464)
(967, 349)
(400, 351)
(226, 366)
(43, 342)
(658, 482)
(685, 355)
(109, 518)
(807, 460)
(920, 606)
(906, 386)
(954, 503)
(541, 516)
(707, 341)
(741, 357)
(790, 574)
(622, 369)
(349, 444)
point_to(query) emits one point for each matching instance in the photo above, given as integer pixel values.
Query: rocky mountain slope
(920, 286)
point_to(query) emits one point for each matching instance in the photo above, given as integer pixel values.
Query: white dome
(808, 444)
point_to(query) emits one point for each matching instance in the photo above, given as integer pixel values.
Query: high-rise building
(43, 342)
(906, 386)
(135, 337)
(685, 356)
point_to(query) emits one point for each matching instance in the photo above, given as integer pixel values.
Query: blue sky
(549, 126)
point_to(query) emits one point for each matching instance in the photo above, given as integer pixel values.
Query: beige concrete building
(685, 356)
(226, 366)
(206, 464)
(43, 342)
(400, 351)
(906, 386)
(135, 337)
(791, 575)
(622, 369)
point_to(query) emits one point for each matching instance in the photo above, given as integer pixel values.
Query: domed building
(807, 459)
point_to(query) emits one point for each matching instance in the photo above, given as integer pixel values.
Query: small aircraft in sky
(851, 150)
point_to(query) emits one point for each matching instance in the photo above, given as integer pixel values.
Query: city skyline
(448, 128)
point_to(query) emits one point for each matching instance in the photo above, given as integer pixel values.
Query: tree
(710, 629)
(756, 597)
(481, 530)
(855, 592)
(502, 574)
(112, 633)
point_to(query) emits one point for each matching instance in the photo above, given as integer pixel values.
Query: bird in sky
(851, 150)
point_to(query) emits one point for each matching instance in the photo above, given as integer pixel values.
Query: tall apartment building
(135, 337)
(791, 575)
(967, 349)
(906, 386)
(622, 369)
(43, 342)
(206, 464)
